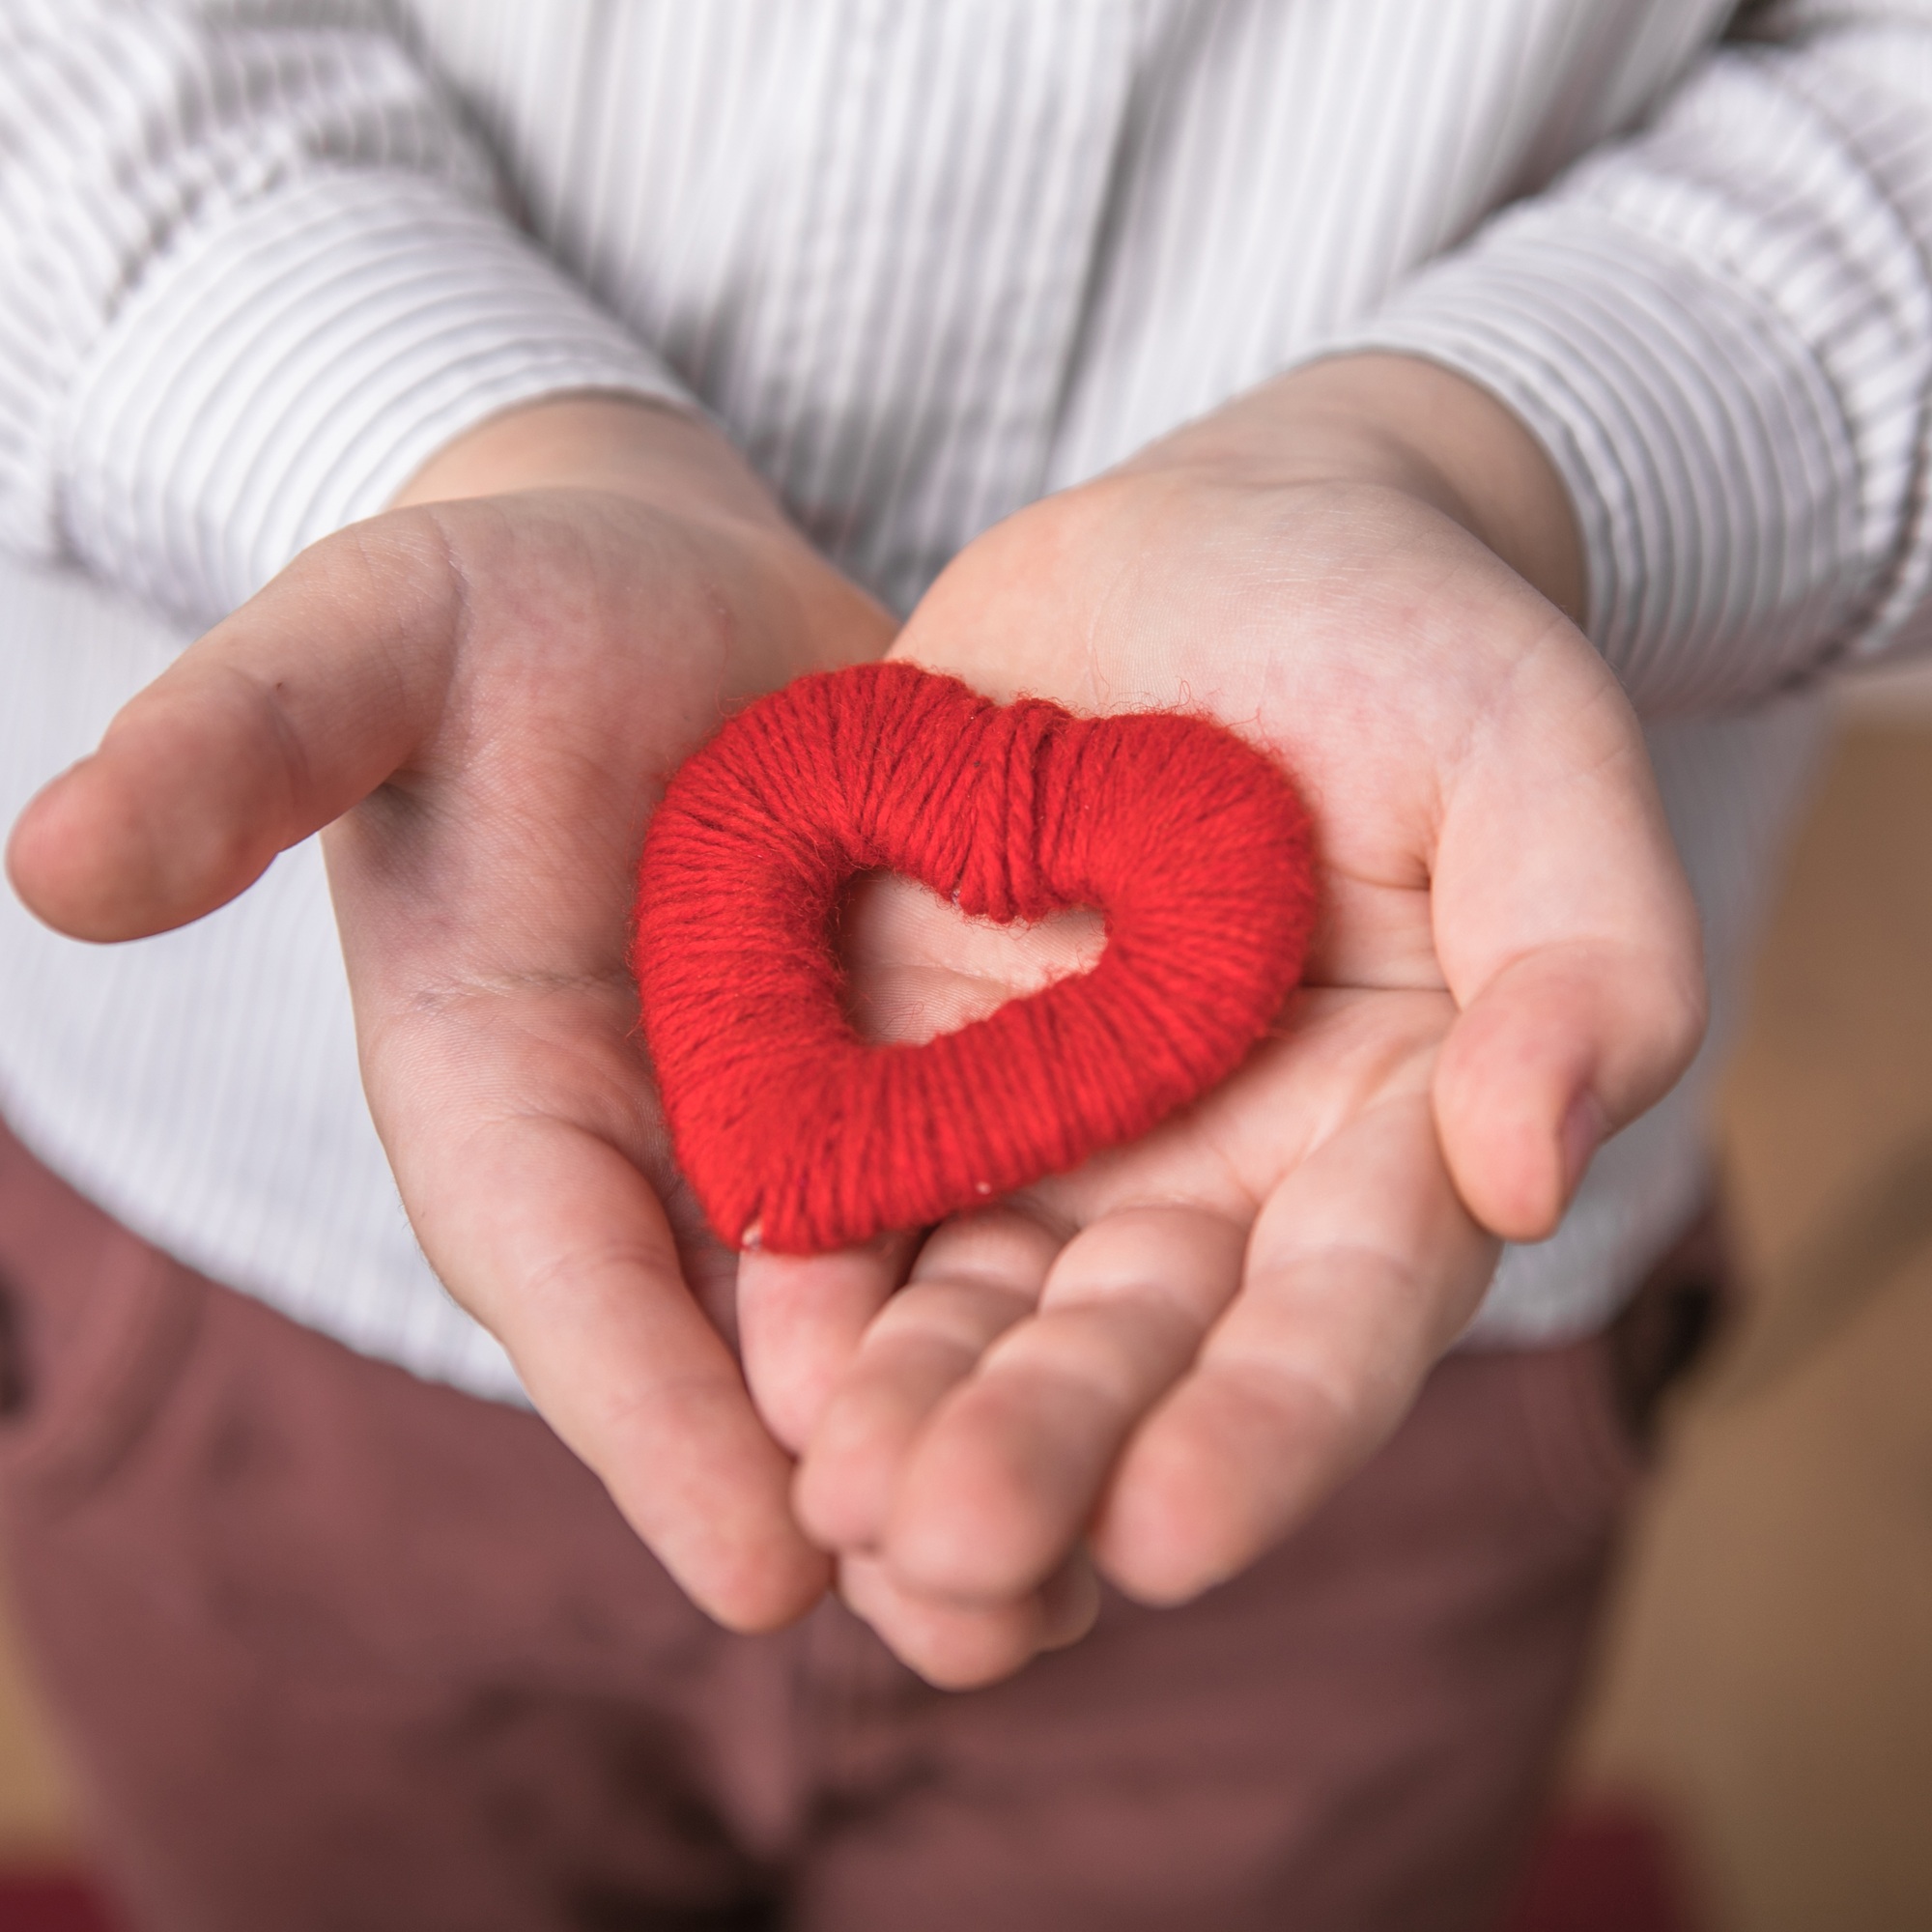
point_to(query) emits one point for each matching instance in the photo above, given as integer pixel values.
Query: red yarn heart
(1187, 839)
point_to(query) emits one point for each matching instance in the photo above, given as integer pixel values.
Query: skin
(1159, 1364)
(481, 695)
(1155, 1366)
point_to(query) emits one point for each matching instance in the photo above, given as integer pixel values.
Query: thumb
(1561, 1047)
(273, 723)
(1568, 936)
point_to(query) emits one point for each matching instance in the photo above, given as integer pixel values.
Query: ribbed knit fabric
(795, 1131)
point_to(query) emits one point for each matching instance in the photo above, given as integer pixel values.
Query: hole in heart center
(916, 966)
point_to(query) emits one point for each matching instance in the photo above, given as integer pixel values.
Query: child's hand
(1177, 1352)
(487, 697)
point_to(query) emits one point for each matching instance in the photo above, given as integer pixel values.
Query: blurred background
(1756, 1755)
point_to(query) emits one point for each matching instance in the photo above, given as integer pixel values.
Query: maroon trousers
(333, 1648)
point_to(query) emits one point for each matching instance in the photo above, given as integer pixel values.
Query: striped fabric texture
(924, 260)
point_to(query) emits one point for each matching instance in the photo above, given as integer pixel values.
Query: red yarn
(1188, 840)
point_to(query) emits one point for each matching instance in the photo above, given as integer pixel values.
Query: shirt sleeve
(1720, 329)
(253, 273)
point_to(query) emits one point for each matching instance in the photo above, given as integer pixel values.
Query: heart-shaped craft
(792, 1128)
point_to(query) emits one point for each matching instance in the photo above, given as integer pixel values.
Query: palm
(492, 695)
(1182, 1345)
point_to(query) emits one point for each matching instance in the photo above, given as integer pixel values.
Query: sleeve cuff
(286, 373)
(1705, 453)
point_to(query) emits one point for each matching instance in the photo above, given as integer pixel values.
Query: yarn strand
(1190, 843)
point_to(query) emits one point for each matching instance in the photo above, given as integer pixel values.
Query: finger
(962, 1647)
(953, 1648)
(1070, 1602)
(566, 1255)
(800, 1320)
(1362, 1267)
(1568, 936)
(272, 725)
(1558, 1050)
(1007, 1473)
(973, 1280)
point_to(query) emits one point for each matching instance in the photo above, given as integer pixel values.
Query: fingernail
(1583, 1134)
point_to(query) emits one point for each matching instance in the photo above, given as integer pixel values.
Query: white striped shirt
(924, 260)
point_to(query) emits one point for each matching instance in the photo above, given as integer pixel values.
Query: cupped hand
(481, 694)
(1170, 1356)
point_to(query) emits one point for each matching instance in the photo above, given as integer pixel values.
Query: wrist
(629, 446)
(1405, 423)
(792, 610)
